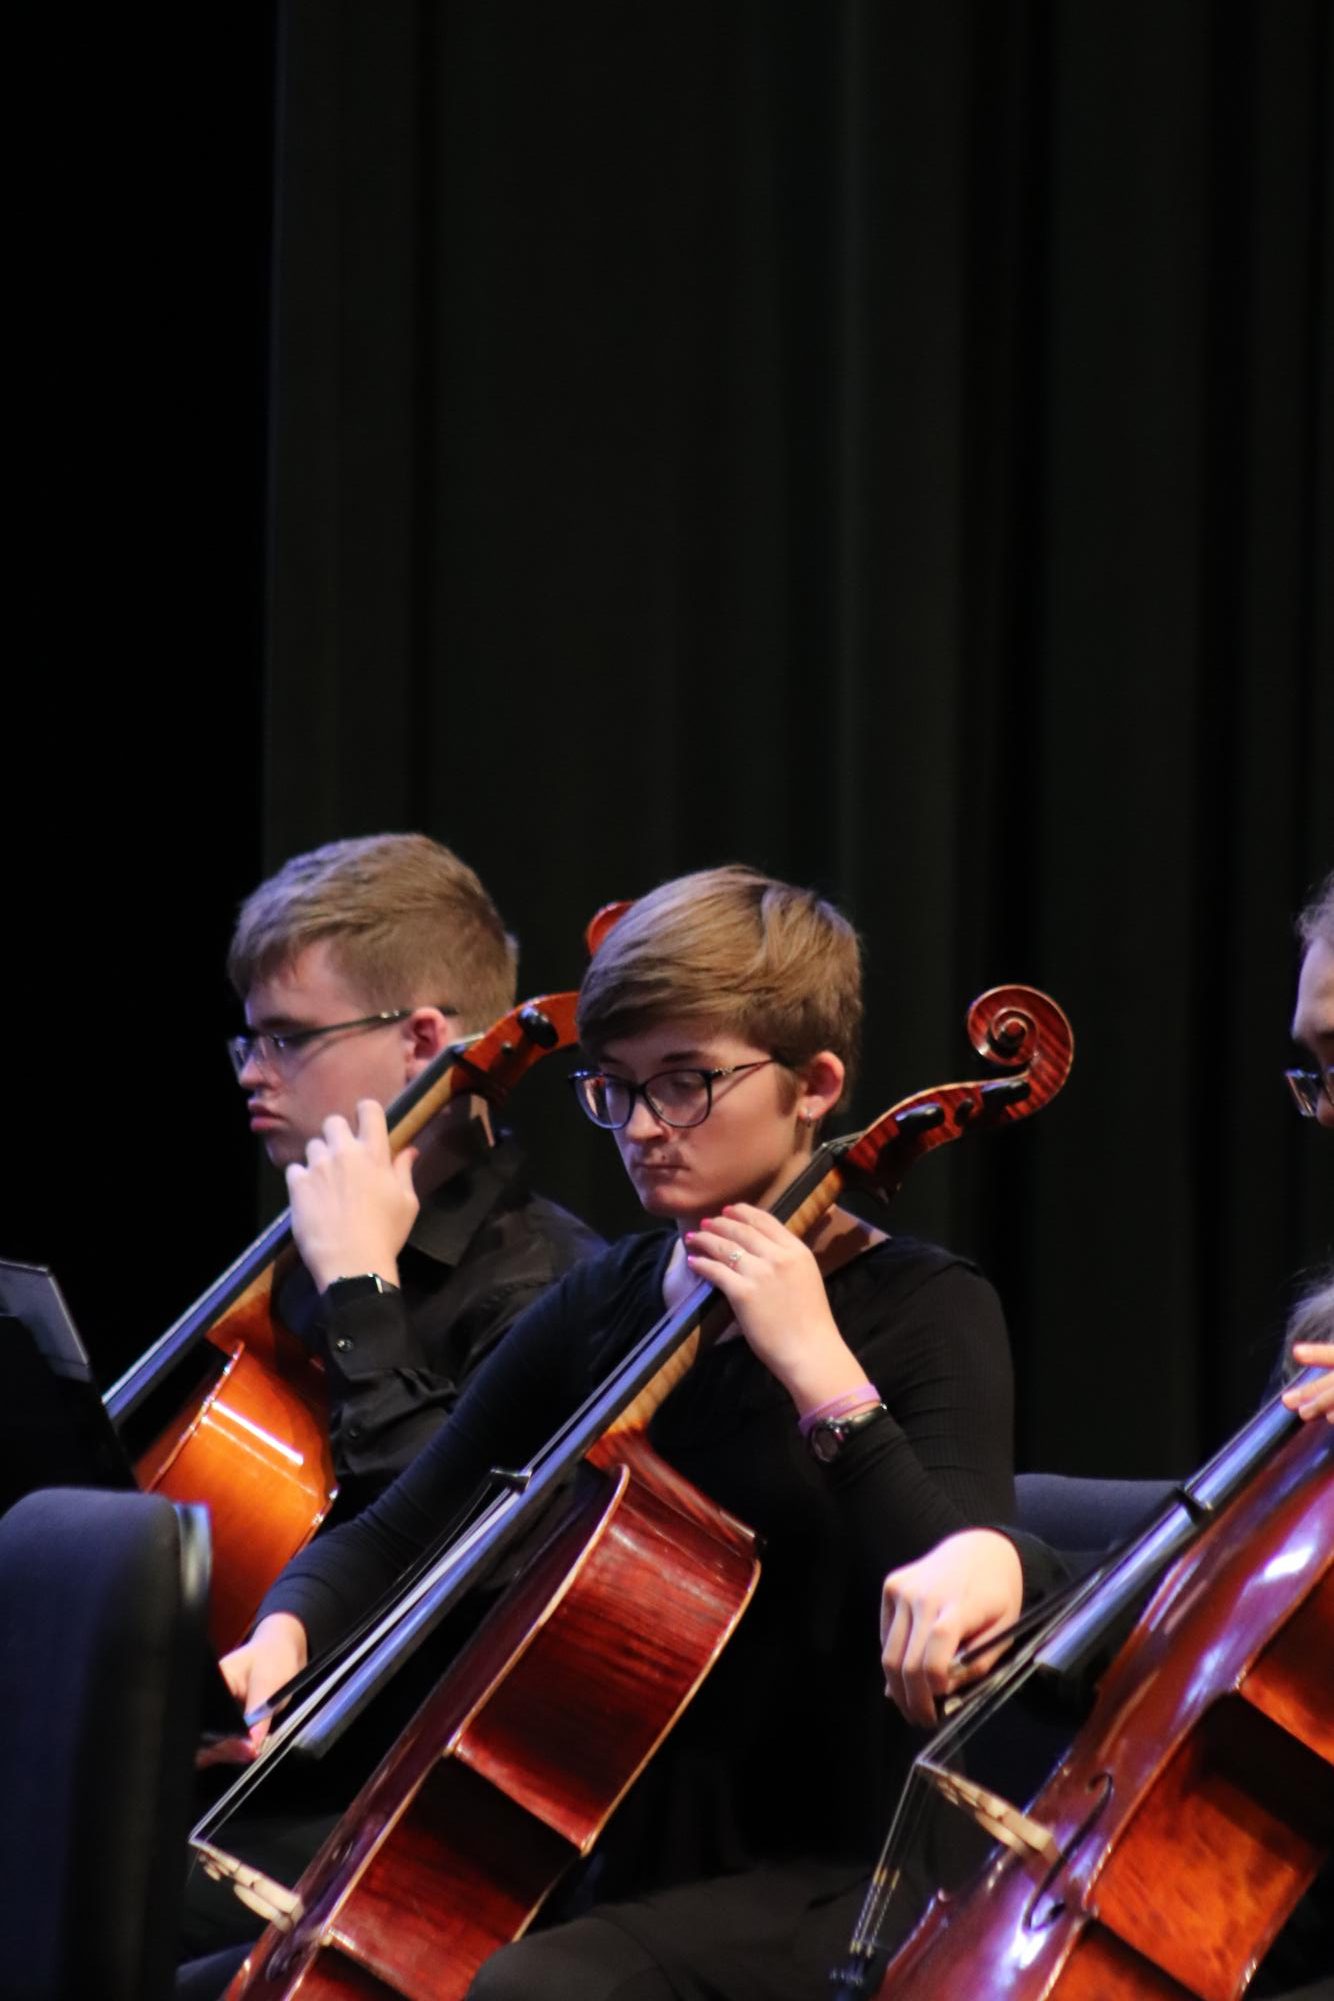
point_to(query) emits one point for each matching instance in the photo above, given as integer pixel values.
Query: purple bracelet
(837, 1407)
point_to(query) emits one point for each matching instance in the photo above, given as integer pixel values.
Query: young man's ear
(425, 1033)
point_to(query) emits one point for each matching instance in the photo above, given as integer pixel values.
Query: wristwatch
(827, 1438)
(366, 1284)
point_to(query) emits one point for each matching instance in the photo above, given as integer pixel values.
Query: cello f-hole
(1037, 1921)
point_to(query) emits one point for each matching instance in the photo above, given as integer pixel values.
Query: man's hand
(274, 1653)
(353, 1202)
(964, 1590)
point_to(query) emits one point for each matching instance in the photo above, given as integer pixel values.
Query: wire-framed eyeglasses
(272, 1051)
(677, 1097)
(1308, 1087)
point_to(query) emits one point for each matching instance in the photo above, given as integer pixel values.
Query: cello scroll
(1019, 1029)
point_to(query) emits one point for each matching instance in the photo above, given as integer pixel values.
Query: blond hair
(407, 925)
(731, 947)
(1316, 921)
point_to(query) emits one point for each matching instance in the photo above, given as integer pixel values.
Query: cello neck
(647, 1373)
(1080, 1636)
(250, 1272)
(486, 1064)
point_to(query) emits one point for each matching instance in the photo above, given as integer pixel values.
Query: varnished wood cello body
(248, 1432)
(515, 1763)
(1196, 1803)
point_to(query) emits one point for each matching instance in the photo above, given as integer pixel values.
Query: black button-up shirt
(483, 1248)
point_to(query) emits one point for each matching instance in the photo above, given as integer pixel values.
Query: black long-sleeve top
(790, 1749)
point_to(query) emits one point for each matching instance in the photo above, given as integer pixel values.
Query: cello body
(255, 1447)
(511, 1769)
(449, 1850)
(1196, 1803)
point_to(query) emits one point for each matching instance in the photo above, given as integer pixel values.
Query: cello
(517, 1760)
(1195, 1805)
(230, 1408)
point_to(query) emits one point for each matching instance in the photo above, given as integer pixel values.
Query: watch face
(831, 1434)
(826, 1439)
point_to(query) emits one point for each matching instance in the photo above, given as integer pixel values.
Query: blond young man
(357, 964)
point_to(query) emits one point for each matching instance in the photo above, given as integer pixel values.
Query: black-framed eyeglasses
(677, 1097)
(264, 1047)
(1308, 1087)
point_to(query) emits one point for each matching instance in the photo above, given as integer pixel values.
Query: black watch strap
(827, 1438)
(365, 1285)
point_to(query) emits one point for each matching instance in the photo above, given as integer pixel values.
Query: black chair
(1085, 1518)
(103, 1598)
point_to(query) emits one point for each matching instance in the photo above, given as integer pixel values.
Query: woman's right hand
(967, 1589)
(275, 1651)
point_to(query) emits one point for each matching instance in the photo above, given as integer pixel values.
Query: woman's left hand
(1313, 1399)
(776, 1292)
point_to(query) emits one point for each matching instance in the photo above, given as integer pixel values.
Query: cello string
(824, 1172)
(1182, 1602)
(317, 1689)
(316, 1686)
(1024, 1641)
(192, 1325)
(885, 1879)
(945, 1747)
(928, 1131)
(974, 1709)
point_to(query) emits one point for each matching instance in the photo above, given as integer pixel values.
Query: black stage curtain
(892, 445)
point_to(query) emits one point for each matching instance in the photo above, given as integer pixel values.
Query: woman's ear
(821, 1087)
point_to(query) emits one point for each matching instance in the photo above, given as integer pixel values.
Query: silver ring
(735, 1258)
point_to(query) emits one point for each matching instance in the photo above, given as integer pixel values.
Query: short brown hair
(408, 925)
(732, 947)
(1316, 921)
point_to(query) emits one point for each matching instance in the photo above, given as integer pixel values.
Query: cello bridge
(1034, 1843)
(267, 1898)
